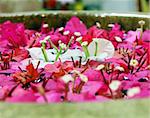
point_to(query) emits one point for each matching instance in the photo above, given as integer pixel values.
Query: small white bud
(63, 46)
(119, 68)
(85, 43)
(98, 24)
(134, 62)
(100, 67)
(72, 37)
(67, 78)
(141, 22)
(77, 33)
(118, 39)
(126, 78)
(114, 85)
(66, 32)
(45, 25)
(79, 39)
(110, 25)
(59, 41)
(61, 29)
(133, 91)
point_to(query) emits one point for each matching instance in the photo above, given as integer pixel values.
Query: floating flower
(97, 52)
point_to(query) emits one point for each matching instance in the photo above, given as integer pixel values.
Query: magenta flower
(116, 35)
(14, 33)
(146, 35)
(97, 33)
(21, 95)
(75, 25)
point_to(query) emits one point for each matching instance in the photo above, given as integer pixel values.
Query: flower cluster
(73, 63)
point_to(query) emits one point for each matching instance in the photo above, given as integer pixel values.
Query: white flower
(66, 32)
(79, 39)
(114, 85)
(45, 25)
(119, 68)
(105, 49)
(83, 78)
(67, 78)
(133, 91)
(61, 29)
(118, 39)
(96, 40)
(141, 22)
(98, 24)
(133, 62)
(77, 33)
(100, 67)
(75, 53)
(85, 43)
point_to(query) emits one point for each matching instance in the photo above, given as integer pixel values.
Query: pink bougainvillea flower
(92, 87)
(21, 95)
(75, 25)
(51, 68)
(54, 85)
(45, 28)
(14, 33)
(94, 32)
(83, 97)
(115, 33)
(6, 81)
(52, 97)
(58, 69)
(93, 75)
(146, 35)
(97, 33)
(20, 54)
(132, 36)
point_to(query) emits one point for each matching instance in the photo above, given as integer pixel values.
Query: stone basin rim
(94, 13)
